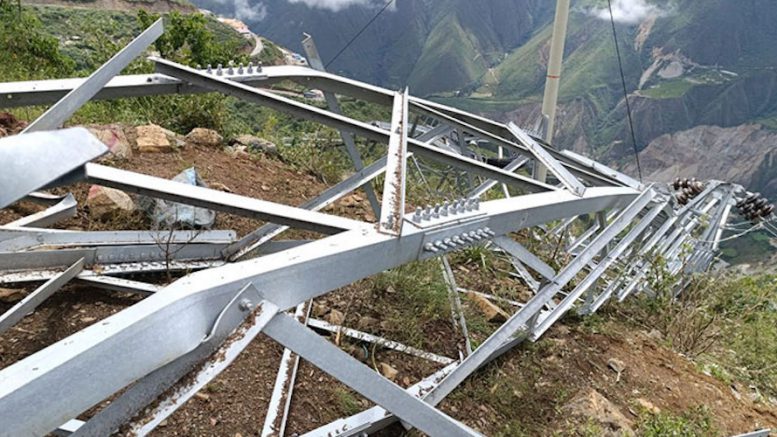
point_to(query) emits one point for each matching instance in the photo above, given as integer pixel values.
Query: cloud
(628, 11)
(336, 5)
(244, 11)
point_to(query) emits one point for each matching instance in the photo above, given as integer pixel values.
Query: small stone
(655, 334)
(104, 202)
(11, 295)
(319, 310)
(367, 323)
(255, 144)
(491, 311)
(336, 317)
(388, 371)
(214, 421)
(617, 365)
(88, 319)
(202, 396)
(221, 187)
(204, 137)
(647, 406)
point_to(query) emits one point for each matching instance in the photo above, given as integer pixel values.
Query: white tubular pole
(553, 78)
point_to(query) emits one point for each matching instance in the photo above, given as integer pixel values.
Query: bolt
(436, 211)
(448, 242)
(209, 69)
(240, 68)
(474, 235)
(219, 71)
(245, 305)
(250, 67)
(467, 238)
(231, 69)
(429, 247)
(440, 245)
(427, 214)
(417, 214)
(458, 241)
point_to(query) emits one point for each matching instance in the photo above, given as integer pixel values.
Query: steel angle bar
(380, 341)
(597, 272)
(144, 253)
(208, 359)
(329, 358)
(522, 273)
(258, 237)
(218, 200)
(65, 209)
(520, 321)
(280, 400)
(375, 418)
(457, 313)
(260, 314)
(45, 274)
(331, 100)
(603, 169)
(33, 161)
(392, 209)
(26, 239)
(117, 284)
(43, 198)
(307, 112)
(515, 249)
(44, 92)
(589, 232)
(32, 300)
(55, 116)
(543, 157)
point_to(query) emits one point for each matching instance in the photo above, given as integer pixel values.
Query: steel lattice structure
(159, 352)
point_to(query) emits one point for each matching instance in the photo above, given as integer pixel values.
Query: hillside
(687, 63)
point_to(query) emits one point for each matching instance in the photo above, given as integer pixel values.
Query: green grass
(692, 423)
(668, 90)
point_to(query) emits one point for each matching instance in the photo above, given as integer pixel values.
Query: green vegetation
(728, 323)
(26, 52)
(668, 90)
(692, 423)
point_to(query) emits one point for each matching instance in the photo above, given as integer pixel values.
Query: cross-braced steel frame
(155, 355)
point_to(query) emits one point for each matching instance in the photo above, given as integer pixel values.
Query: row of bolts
(231, 69)
(689, 188)
(445, 209)
(464, 239)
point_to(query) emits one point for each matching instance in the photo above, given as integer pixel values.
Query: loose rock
(593, 407)
(11, 295)
(204, 137)
(388, 371)
(113, 136)
(104, 202)
(152, 139)
(336, 317)
(493, 313)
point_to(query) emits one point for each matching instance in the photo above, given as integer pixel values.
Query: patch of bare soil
(526, 390)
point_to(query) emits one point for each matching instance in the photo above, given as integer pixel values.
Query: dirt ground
(524, 390)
